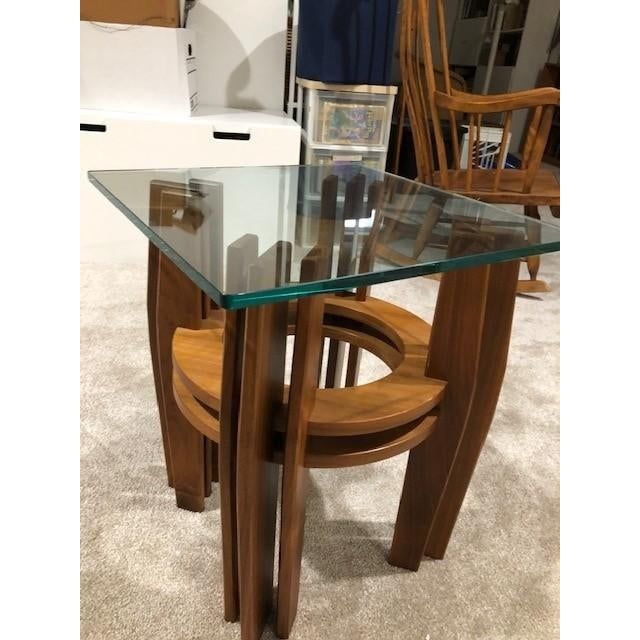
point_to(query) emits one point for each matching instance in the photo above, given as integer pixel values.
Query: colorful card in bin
(352, 123)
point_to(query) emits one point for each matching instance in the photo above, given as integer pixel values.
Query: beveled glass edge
(166, 249)
(297, 290)
(235, 301)
(449, 195)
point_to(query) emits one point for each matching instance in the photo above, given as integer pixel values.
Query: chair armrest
(472, 103)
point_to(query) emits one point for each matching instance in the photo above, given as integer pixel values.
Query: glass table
(236, 243)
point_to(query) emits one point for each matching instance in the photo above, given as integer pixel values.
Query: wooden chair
(428, 100)
(457, 82)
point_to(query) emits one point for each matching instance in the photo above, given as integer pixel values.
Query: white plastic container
(138, 69)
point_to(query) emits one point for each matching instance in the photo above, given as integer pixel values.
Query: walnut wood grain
(395, 399)
(152, 302)
(229, 412)
(321, 452)
(492, 361)
(469, 343)
(179, 305)
(257, 478)
(228, 368)
(164, 198)
(306, 360)
(261, 394)
(198, 415)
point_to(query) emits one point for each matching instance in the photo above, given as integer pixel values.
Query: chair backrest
(431, 99)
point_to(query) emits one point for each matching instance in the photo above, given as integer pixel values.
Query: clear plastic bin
(347, 118)
(344, 163)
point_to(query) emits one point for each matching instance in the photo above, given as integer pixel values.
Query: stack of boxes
(139, 110)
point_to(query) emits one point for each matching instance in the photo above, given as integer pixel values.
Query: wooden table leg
(306, 358)
(257, 476)
(229, 417)
(152, 304)
(468, 348)
(178, 304)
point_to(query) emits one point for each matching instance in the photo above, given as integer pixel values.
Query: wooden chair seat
(395, 335)
(545, 190)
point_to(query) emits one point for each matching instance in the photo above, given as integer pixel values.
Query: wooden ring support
(347, 426)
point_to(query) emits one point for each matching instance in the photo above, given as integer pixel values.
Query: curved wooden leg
(468, 349)
(229, 416)
(179, 305)
(257, 476)
(240, 254)
(152, 301)
(306, 357)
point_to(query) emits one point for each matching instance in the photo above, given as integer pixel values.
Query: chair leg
(306, 356)
(533, 233)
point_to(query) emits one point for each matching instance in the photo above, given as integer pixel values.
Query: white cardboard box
(111, 140)
(138, 69)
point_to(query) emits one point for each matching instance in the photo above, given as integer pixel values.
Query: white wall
(241, 48)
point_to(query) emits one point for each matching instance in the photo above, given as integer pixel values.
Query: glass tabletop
(253, 235)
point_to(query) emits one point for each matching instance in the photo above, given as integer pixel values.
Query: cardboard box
(156, 13)
(138, 69)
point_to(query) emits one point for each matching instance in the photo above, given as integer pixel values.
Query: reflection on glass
(243, 234)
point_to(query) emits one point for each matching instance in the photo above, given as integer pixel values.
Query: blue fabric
(346, 41)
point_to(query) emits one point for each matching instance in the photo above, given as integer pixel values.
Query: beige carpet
(152, 572)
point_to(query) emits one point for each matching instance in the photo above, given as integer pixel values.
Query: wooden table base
(468, 348)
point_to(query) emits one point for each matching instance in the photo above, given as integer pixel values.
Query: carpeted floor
(152, 572)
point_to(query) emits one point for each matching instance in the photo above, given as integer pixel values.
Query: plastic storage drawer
(344, 163)
(348, 118)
